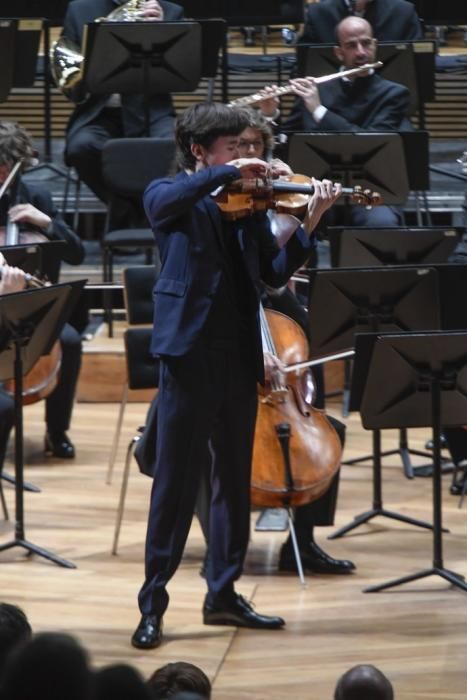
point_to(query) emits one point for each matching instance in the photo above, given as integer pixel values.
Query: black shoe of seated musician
(314, 559)
(238, 612)
(148, 634)
(442, 442)
(59, 445)
(457, 488)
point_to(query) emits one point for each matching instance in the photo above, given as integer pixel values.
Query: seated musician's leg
(320, 513)
(7, 419)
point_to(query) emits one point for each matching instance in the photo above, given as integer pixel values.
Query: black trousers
(206, 406)
(59, 404)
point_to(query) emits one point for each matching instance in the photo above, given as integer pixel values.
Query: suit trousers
(207, 401)
(59, 404)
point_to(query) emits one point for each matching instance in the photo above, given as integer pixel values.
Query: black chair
(138, 283)
(128, 166)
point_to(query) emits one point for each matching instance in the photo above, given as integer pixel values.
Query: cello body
(296, 451)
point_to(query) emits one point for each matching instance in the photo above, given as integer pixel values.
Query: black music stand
(30, 323)
(348, 301)
(19, 47)
(375, 161)
(371, 247)
(53, 14)
(146, 58)
(428, 387)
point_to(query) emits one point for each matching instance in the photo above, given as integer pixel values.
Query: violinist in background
(207, 336)
(257, 141)
(34, 210)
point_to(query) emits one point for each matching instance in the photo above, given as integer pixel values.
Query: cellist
(34, 208)
(206, 334)
(257, 141)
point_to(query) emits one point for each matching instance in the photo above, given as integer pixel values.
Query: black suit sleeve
(392, 108)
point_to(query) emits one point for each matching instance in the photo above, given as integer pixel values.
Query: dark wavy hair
(177, 677)
(15, 144)
(203, 123)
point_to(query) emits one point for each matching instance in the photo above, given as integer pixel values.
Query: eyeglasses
(244, 145)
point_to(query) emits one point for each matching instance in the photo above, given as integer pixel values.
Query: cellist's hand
(272, 366)
(12, 279)
(324, 196)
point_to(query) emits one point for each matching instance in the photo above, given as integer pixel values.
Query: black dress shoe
(59, 445)
(239, 613)
(314, 560)
(457, 488)
(148, 634)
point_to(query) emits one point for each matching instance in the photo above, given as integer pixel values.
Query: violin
(288, 194)
(296, 450)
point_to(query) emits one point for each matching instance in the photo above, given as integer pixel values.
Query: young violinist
(257, 141)
(33, 209)
(206, 334)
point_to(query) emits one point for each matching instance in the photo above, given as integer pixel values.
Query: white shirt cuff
(319, 113)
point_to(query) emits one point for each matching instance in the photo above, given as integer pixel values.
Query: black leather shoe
(239, 613)
(314, 560)
(457, 487)
(59, 445)
(148, 634)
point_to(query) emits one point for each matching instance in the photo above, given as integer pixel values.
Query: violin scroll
(365, 198)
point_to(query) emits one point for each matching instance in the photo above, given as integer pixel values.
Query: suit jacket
(81, 12)
(392, 20)
(369, 104)
(189, 232)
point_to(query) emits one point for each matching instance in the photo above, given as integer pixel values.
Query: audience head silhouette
(363, 682)
(14, 629)
(179, 677)
(120, 682)
(51, 665)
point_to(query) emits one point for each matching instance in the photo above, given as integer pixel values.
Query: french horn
(67, 61)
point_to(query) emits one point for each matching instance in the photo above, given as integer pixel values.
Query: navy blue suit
(206, 333)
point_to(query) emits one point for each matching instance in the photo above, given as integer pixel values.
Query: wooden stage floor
(416, 633)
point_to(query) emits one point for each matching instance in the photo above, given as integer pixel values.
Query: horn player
(103, 117)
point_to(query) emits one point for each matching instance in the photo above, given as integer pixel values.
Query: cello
(296, 450)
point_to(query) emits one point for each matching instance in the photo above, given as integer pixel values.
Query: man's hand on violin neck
(324, 196)
(251, 167)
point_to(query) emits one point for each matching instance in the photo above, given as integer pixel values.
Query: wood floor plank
(416, 633)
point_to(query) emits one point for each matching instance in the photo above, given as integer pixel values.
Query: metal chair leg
(4, 505)
(116, 439)
(123, 490)
(296, 550)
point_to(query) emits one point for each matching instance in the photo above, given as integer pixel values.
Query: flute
(285, 89)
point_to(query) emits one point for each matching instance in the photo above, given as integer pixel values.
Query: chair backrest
(129, 165)
(142, 367)
(138, 282)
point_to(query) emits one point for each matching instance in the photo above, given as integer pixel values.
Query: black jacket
(369, 104)
(392, 20)
(82, 12)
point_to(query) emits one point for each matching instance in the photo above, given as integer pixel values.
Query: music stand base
(456, 579)
(370, 514)
(409, 470)
(26, 485)
(34, 549)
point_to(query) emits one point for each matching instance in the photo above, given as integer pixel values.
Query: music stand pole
(19, 539)
(437, 567)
